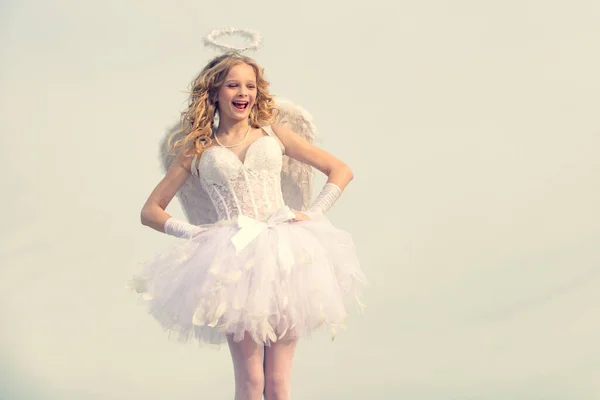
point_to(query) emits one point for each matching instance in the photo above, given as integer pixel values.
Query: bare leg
(278, 369)
(247, 359)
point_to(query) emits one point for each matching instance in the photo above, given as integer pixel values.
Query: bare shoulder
(282, 130)
(183, 161)
(290, 139)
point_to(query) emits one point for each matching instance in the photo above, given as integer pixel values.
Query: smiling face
(237, 95)
(232, 86)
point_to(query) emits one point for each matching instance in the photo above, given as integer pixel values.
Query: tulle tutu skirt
(274, 281)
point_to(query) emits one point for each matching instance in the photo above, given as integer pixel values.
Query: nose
(243, 91)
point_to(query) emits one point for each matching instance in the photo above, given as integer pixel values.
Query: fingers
(300, 216)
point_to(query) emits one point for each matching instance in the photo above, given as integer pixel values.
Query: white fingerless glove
(330, 193)
(182, 229)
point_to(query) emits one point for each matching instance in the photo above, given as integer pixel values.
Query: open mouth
(240, 105)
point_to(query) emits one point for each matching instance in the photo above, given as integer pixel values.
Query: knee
(254, 384)
(277, 387)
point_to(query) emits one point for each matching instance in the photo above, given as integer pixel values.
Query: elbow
(150, 213)
(340, 170)
(144, 216)
(348, 172)
(341, 175)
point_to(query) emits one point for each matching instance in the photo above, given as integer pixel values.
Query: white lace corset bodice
(251, 187)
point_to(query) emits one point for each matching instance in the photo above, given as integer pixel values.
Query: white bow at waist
(250, 228)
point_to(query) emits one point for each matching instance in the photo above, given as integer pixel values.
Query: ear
(213, 96)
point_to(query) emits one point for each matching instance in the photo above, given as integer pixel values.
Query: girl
(261, 275)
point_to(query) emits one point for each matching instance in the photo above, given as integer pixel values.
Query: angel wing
(296, 177)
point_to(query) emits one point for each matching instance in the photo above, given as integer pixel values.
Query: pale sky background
(473, 131)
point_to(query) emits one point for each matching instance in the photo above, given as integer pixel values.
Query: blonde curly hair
(196, 124)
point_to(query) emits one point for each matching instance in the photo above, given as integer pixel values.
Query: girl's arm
(153, 212)
(338, 173)
(302, 150)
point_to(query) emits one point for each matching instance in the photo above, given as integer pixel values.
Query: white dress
(253, 271)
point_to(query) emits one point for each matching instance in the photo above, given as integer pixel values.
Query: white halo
(253, 40)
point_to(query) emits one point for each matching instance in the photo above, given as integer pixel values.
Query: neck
(234, 129)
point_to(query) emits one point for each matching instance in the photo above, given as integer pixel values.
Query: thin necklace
(237, 144)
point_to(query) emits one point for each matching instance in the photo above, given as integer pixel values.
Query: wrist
(328, 196)
(178, 228)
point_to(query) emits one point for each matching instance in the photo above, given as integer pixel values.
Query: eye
(232, 85)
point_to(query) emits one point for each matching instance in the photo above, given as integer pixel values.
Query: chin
(239, 116)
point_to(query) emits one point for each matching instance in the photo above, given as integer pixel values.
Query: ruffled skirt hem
(287, 281)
